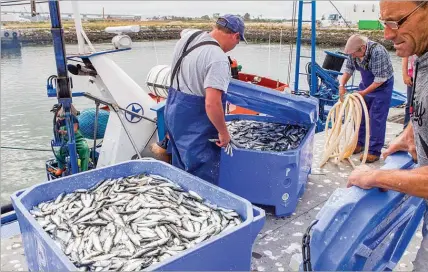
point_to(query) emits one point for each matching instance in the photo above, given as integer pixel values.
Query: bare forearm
(215, 113)
(372, 87)
(344, 79)
(413, 182)
(404, 66)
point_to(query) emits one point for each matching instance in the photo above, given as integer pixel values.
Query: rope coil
(342, 138)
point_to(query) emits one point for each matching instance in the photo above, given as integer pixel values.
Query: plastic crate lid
(295, 108)
(366, 230)
(337, 54)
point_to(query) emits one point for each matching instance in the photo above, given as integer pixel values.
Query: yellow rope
(342, 138)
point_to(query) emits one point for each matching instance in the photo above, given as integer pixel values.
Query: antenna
(33, 8)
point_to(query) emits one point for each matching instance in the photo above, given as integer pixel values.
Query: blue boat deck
(278, 247)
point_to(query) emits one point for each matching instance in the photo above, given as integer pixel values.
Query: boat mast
(63, 87)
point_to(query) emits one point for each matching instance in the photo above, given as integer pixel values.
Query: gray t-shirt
(205, 67)
(420, 127)
(420, 114)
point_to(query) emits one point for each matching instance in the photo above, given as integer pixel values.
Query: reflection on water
(11, 53)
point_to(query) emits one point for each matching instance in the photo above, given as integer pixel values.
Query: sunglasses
(397, 24)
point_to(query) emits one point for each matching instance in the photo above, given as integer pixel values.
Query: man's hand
(404, 142)
(224, 139)
(363, 93)
(400, 145)
(363, 176)
(407, 80)
(342, 92)
(62, 132)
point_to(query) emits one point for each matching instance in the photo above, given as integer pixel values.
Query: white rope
(341, 140)
(290, 55)
(156, 52)
(269, 56)
(279, 56)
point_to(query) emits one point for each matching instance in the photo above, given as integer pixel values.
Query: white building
(352, 12)
(13, 18)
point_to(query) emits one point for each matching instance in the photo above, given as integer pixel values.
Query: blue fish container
(270, 178)
(366, 230)
(230, 250)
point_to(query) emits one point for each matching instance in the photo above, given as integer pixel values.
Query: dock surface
(279, 243)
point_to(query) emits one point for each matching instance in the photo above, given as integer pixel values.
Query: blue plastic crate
(270, 178)
(366, 230)
(230, 250)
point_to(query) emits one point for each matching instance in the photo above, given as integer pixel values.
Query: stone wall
(325, 37)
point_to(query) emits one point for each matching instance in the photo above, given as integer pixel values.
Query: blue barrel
(229, 250)
(87, 123)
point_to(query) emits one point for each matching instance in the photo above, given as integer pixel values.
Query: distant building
(352, 13)
(13, 18)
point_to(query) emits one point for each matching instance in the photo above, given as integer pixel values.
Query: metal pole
(97, 109)
(63, 81)
(298, 46)
(314, 81)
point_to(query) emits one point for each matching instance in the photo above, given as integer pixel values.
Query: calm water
(26, 120)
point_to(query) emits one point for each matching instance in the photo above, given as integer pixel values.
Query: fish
(130, 223)
(265, 136)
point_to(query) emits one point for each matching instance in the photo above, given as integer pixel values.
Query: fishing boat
(133, 119)
(10, 39)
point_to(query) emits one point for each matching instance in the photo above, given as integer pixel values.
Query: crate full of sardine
(133, 216)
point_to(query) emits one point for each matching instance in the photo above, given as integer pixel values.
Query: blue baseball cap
(234, 23)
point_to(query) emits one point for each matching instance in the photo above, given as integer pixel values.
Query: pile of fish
(265, 136)
(130, 223)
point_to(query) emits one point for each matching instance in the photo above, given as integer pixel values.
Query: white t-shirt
(205, 67)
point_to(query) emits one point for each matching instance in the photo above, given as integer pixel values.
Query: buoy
(158, 80)
(342, 138)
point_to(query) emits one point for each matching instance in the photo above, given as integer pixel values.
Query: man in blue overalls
(377, 81)
(194, 111)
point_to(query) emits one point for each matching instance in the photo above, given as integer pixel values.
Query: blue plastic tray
(229, 250)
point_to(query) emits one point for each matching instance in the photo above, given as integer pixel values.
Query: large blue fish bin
(267, 177)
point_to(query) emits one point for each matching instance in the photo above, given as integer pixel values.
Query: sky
(263, 9)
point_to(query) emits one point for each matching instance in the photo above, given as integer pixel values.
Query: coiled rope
(342, 138)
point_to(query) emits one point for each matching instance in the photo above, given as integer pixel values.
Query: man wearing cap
(194, 111)
(405, 25)
(377, 80)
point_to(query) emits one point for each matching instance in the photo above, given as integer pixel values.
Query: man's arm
(404, 70)
(404, 142)
(214, 109)
(381, 68)
(413, 182)
(343, 80)
(345, 77)
(370, 88)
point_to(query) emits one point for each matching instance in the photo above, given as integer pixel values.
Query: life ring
(15, 34)
(6, 34)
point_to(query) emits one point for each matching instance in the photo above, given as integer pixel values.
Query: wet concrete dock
(279, 243)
